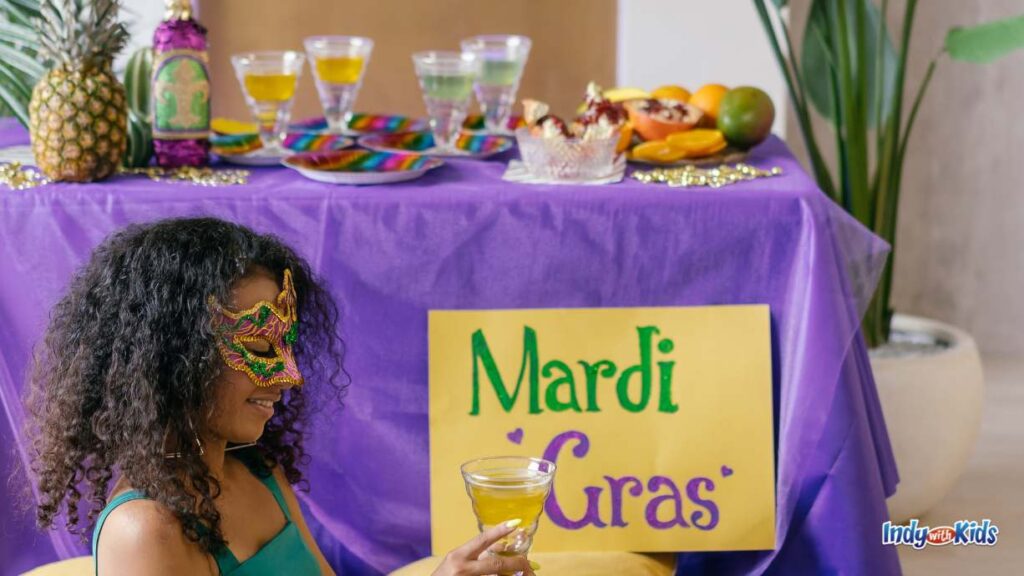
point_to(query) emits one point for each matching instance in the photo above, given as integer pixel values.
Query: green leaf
(986, 42)
(780, 3)
(11, 33)
(20, 13)
(21, 61)
(16, 81)
(815, 60)
(137, 78)
(14, 102)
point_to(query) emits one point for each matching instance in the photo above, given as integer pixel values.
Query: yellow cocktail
(507, 496)
(507, 488)
(271, 87)
(338, 66)
(339, 69)
(269, 81)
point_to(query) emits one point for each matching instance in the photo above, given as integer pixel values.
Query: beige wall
(960, 237)
(573, 42)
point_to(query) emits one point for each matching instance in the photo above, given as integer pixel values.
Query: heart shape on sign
(515, 436)
(726, 471)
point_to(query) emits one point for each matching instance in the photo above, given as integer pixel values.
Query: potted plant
(849, 71)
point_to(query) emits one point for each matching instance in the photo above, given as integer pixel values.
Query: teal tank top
(285, 553)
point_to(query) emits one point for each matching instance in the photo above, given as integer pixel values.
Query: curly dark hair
(129, 360)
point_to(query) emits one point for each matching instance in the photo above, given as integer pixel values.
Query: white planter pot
(932, 404)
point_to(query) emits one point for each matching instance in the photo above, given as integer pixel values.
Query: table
(462, 238)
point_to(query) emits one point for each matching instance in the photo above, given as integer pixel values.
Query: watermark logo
(961, 533)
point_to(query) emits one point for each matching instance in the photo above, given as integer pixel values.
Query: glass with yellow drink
(507, 488)
(338, 63)
(269, 81)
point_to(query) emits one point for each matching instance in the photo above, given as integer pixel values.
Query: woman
(184, 358)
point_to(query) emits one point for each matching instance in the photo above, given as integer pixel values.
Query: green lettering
(601, 368)
(644, 368)
(565, 381)
(482, 355)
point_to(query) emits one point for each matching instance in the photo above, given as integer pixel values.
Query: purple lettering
(615, 486)
(655, 484)
(693, 493)
(553, 509)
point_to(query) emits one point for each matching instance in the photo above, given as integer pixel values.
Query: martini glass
(503, 59)
(338, 64)
(269, 81)
(446, 80)
(505, 488)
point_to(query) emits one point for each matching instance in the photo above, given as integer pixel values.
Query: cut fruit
(229, 126)
(625, 136)
(698, 143)
(710, 151)
(657, 119)
(658, 151)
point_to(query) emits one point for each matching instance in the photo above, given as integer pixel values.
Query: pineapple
(78, 113)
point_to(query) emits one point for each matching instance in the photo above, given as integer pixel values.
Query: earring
(199, 445)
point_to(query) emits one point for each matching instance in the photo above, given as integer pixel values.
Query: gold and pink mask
(273, 323)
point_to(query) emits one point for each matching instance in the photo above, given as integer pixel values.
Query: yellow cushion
(81, 566)
(576, 564)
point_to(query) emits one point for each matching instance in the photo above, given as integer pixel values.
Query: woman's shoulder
(143, 537)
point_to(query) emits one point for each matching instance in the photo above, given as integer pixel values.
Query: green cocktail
(503, 59)
(446, 79)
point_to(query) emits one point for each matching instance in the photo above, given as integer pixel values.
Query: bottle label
(181, 95)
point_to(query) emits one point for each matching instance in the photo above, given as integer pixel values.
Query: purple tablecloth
(462, 238)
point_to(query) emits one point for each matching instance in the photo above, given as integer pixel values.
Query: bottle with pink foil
(181, 89)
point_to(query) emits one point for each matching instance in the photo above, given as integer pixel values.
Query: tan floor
(990, 488)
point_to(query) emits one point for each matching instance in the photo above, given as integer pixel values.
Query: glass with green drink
(446, 80)
(502, 61)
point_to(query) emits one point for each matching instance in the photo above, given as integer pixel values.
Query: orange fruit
(658, 151)
(708, 98)
(671, 92)
(698, 143)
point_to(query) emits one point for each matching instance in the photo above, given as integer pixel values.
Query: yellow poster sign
(659, 421)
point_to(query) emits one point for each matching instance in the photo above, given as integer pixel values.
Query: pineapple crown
(80, 33)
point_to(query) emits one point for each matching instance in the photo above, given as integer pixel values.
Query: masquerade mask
(274, 324)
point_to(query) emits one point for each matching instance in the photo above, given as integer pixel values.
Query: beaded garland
(17, 176)
(273, 323)
(691, 176)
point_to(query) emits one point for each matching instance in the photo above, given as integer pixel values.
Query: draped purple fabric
(462, 238)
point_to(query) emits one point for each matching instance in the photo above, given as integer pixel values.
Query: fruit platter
(670, 126)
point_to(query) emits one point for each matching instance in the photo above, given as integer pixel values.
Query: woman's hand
(473, 558)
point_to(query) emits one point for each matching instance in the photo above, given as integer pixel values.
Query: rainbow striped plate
(475, 123)
(247, 149)
(363, 123)
(467, 146)
(361, 166)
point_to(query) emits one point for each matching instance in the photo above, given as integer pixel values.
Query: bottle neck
(178, 10)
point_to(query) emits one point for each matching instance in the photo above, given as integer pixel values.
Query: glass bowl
(567, 158)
